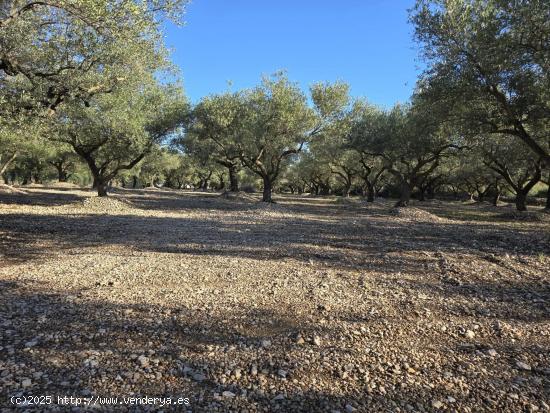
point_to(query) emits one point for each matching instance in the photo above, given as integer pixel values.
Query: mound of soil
(63, 185)
(415, 214)
(266, 209)
(238, 196)
(10, 190)
(105, 205)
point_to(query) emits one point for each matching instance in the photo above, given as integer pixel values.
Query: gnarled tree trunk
(370, 191)
(266, 197)
(405, 195)
(233, 179)
(521, 201)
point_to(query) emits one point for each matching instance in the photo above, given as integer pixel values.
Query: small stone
(199, 377)
(228, 394)
(469, 334)
(254, 370)
(317, 340)
(451, 399)
(26, 383)
(143, 361)
(282, 373)
(349, 408)
(237, 373)
(279, 397)
(266, 343)
(437, 404)
(522, 366)
(492, 352)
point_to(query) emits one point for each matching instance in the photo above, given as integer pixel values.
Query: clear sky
(367, 43)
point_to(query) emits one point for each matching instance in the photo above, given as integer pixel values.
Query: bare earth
(311, 305)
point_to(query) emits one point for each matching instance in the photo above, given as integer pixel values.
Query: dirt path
(311, 305)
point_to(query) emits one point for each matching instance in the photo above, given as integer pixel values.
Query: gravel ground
(309, 305)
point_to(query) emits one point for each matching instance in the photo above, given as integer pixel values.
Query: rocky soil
(311, 305)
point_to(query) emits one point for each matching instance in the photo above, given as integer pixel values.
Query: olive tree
(488, 62)
(118, 130)
(52, 51)
(278, 122)
(516, 164)
(408, 140)
(212, 131)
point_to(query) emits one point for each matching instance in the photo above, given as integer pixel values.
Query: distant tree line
(81, 100)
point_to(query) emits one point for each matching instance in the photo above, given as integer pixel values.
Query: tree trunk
(4, 167)
(61, 174)
(233, 179)
(267, 190)
(324, 190)
(421, 194)
(101, 188)
(370, 192)
(346, 191)
(548, 197)
(405, 195)
(134, 181)
(521, 199)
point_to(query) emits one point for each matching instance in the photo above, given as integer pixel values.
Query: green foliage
(121, 128)
(56, 51)
(489, 66)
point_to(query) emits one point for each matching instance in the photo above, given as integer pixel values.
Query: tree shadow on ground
(349, 240)
(40, 198)
(71, 345)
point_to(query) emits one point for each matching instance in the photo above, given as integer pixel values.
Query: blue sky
(367, 43)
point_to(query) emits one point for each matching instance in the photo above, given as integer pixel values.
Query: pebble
(228, 394)
(522, 366)
(349, 408)
(266, 343)
(317, 340)
(26, 383)
(492, 352)
(199, 377)
(437, 404)
(143, 361)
